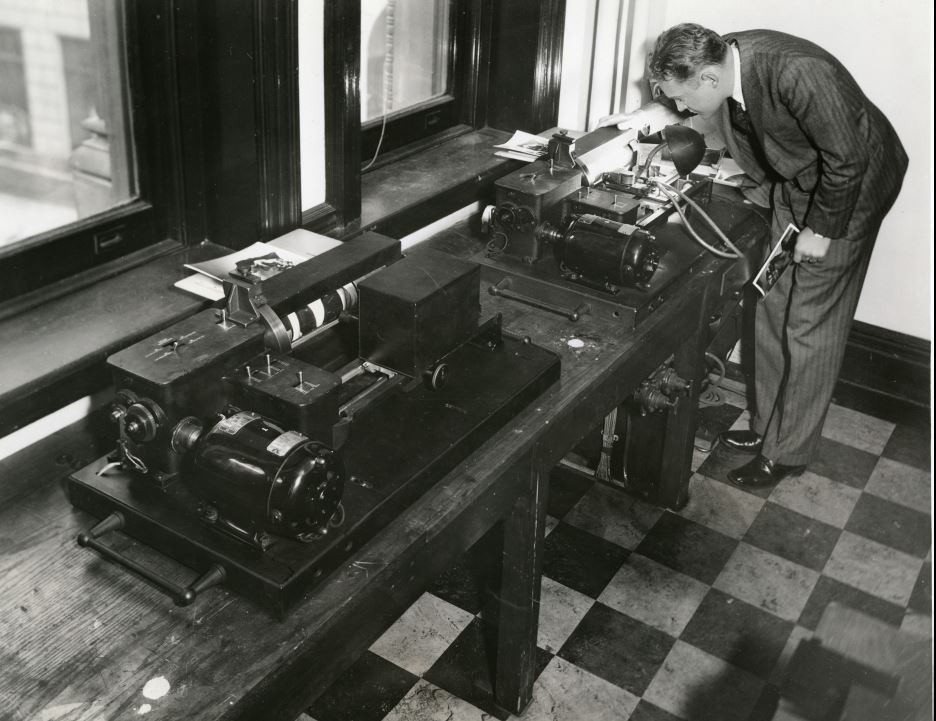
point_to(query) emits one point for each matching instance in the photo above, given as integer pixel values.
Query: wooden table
(80, 639)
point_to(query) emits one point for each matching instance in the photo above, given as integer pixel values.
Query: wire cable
(387, 77)
(671, 192)
(710, 395)
(721, 368)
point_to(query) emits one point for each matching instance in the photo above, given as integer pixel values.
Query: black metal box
(418, 310)
(177, 369)
(178, 366)
(527, 197)
(297, 395)
(619, 207)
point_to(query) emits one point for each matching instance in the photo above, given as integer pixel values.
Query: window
(56, 164)
(407, 72)
(80, 87)
(89, 160)
(14, 104)
(139, 124)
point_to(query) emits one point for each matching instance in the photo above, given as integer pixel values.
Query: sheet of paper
(526, 143)
(305, 243)
(202, 285)
(294, 247)
(729, 172)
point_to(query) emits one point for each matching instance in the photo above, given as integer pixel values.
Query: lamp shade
(686, 147)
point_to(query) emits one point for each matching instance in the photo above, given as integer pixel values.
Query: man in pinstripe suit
(797, 123)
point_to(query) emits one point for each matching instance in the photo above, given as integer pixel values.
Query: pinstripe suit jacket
(838, 157)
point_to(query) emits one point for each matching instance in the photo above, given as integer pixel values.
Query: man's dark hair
(680, 51)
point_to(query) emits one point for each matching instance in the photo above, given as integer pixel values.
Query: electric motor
(259, 478)
(604, 251)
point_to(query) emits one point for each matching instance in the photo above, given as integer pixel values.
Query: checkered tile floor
(649, 615)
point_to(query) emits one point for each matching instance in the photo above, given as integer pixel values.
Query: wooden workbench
(80, 639)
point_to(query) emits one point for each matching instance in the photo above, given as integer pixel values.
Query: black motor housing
(604, 252)
(259, 478)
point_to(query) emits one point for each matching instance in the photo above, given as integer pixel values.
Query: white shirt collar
(736, 93)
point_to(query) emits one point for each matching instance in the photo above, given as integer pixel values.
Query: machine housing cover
(418, 310)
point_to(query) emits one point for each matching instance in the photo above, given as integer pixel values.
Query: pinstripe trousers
(800, 332)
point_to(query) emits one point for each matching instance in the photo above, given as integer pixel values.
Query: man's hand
(810, 247)
(609, 120)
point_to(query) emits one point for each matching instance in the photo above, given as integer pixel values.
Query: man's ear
(710, 75)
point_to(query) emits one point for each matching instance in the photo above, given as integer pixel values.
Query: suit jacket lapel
(751, 89)
(740, 149)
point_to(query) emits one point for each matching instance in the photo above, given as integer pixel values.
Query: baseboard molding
(884, 373)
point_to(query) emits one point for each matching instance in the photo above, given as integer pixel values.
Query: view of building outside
(405, 48)
(58, 69)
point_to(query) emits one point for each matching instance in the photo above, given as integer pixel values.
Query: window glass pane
(63, 114)
(312, 102)
(406, 46)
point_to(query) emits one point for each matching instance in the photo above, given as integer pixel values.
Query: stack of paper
(272, 257)
(523, 146)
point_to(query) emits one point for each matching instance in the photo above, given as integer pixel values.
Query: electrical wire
(710, 395)
(721, 368)
(671, 192)
(387, 77)
(491, 249)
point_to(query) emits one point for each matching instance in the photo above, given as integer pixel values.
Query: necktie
(739, 117)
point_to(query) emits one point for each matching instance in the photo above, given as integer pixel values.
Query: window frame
(411, 125)
(196, 106)
(64, 258)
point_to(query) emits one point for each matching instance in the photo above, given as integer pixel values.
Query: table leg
(518, 611)
(681, 423)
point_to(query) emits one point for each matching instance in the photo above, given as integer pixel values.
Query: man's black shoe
(742, 440)
(762, 472)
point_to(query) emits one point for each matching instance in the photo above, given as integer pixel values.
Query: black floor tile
(889, 523)
(828, 590)
(470, 583)
(737, 632)
(617, 648)
(793, 536)
(713, 420)
(921, 600)
(566, 488)
(687, 547)
(843, 463)
(581, 560)
(646, 711)
(365, 692)
(910, 444)
(466, 668)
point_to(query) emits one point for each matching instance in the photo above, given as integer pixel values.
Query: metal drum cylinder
(321, 311)
(260, 478)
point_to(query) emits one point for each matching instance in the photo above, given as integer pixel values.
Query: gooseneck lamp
(686, 147)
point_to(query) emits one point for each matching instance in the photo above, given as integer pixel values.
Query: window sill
(56, 351)
(407, 194)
